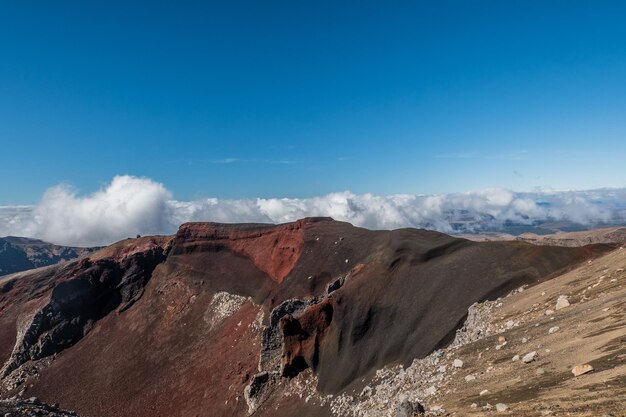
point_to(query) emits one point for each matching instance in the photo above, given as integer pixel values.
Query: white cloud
(131, 205)
(125, 207)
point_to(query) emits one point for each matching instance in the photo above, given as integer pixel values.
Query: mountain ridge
(20, 254)
(245, 308)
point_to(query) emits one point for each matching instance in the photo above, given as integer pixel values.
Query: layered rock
(273, 249)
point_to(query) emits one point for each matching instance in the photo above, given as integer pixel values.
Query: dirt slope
(591, 330)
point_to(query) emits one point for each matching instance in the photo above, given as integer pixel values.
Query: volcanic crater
(217, 319)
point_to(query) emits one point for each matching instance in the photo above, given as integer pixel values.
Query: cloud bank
(132, 205)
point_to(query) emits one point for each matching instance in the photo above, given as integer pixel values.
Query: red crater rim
(274, 249)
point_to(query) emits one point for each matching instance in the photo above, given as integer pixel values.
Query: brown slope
(587, 237)
(174, 352)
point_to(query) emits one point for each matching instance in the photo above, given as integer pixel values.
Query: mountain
(21, 253)
(306, 318)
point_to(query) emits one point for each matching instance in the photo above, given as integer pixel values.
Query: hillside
(233, 320)
(20, 254)
(587, 237)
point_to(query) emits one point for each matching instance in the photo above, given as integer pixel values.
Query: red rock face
(303, 336)
(273, 249)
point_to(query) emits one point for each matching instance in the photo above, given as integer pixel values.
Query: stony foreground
(527, 354)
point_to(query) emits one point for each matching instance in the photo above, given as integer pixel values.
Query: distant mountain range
(20, 254)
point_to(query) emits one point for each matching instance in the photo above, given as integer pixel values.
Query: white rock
(582, 369)
(430, 391)
(549, 312)
(529, 357)
(554, 329)
(484, 392)
(442, 369)
(515, 358)
(469, 378)
(500, 408)
(458, 363)
(561, 302)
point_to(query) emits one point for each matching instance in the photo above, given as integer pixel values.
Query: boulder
(561, 302)
(500, 408)
(582, 369)
(409, 409)
(529, 357)
(554, 329)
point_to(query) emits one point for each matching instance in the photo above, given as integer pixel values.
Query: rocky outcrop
(83, 294)
(302, 336)
(273, 338)
(272, 352)
(261, 387)
(290, 344)
(31, 407)
(407, 408)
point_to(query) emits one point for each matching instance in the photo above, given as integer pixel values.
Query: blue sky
(297, 99)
